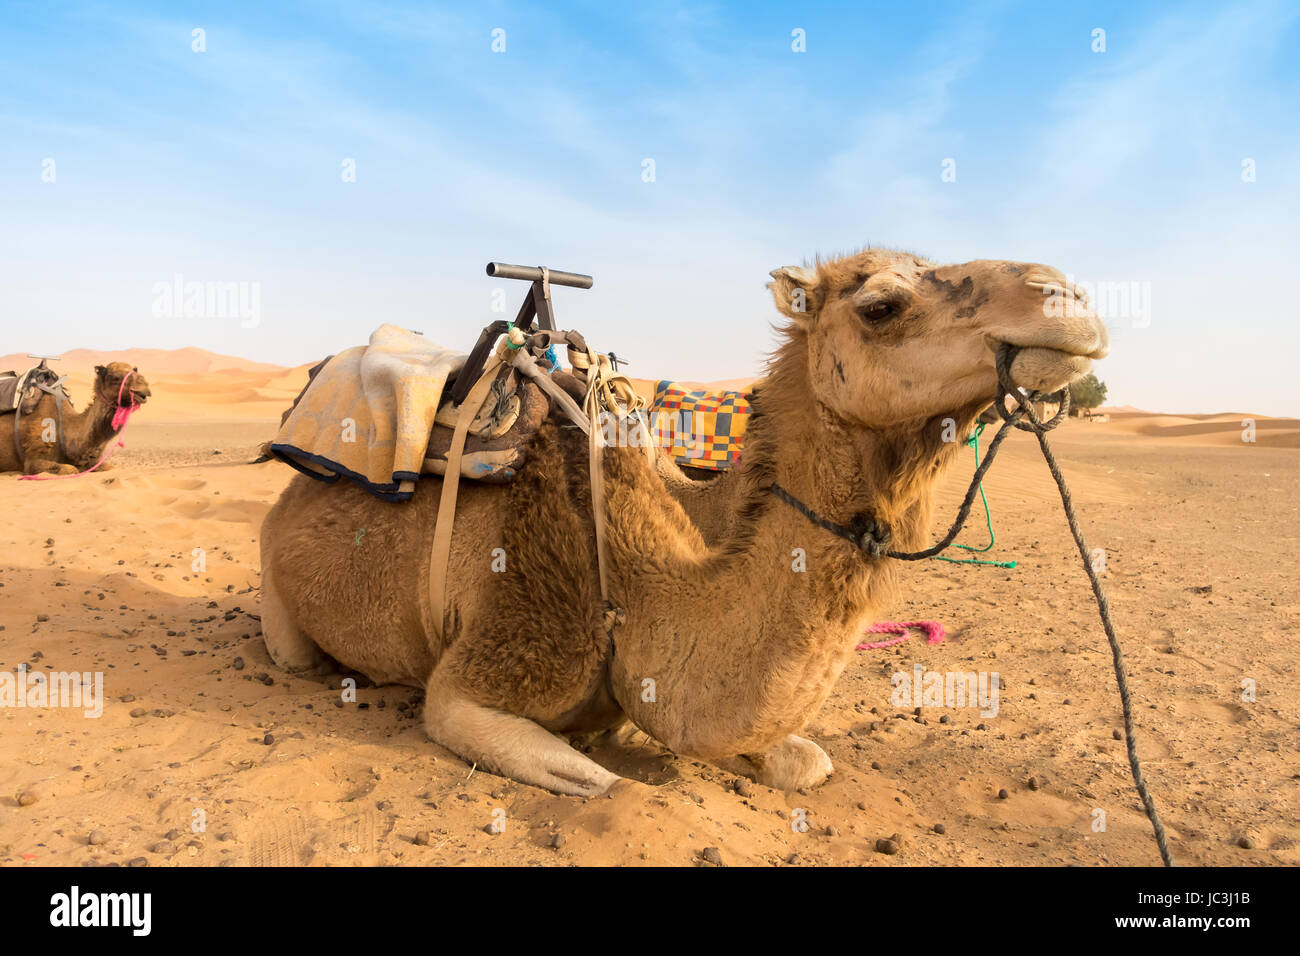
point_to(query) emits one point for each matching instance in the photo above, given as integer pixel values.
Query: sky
(359, 163)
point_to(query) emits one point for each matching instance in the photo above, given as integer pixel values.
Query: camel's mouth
(139, 397)
(1047, 366)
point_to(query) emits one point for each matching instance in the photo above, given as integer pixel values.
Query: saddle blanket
(367, 414)
(699, 427)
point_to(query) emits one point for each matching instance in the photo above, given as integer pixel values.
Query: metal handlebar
(504, 270)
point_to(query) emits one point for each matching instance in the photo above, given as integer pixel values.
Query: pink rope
(934, 633)
(120, 418)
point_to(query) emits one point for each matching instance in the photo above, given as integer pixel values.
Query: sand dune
(100, 574)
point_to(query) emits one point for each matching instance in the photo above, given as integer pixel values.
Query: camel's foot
(510, 745)
(793, 763)
(289, 647)
(47, 467)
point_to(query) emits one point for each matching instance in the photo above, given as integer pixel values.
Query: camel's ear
(796, 291)
(100, 371)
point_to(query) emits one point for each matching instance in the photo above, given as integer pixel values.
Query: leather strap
(441, 551)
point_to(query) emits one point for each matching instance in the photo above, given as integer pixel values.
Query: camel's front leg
(40, 466)
(508, 744)
(794, 763)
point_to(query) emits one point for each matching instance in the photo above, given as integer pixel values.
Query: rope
(974, 442)
(872, 538)
(934, 633)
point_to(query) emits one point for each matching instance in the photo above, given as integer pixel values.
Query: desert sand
(206, 754)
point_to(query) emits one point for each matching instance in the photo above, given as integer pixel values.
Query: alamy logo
(946, 689)
(56, 689)
(179, 299)
(103, 909)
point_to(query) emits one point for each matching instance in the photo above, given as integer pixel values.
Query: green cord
(974, 442)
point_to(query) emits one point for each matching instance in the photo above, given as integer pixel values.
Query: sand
(206, 754)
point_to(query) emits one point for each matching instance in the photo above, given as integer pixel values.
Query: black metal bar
(504, 270)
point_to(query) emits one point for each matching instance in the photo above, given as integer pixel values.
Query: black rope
(873, 538)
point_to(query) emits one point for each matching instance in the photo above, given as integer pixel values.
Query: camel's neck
(88, 431)
(746, 640)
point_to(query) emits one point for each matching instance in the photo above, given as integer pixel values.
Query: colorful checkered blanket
(699, 428)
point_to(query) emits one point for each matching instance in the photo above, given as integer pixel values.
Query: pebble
(27, 798)
(888, 847)
(97, 838)
(138, 711)
(42, 618)
(164, 848)
(557, 841)
(1003, 794)
(712, 855)
(1117, 735)
(940, 829)
(794, 859)
(423, 837)
(743, 787)
(1033, 783)
(268, 739)
(1246, 843)
(138, 861)
(832, 831)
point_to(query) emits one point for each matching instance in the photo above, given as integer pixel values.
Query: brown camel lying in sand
(65, 441)
(725, 653)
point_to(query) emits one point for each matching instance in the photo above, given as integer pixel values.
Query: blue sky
(1116, 166)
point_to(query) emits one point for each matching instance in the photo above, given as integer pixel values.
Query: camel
(65, 441)
(723, 653)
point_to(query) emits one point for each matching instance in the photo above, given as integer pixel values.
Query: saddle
(504, 422)
(22, 393)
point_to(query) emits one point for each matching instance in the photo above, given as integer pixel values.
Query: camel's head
(893, 338)
(108, 383)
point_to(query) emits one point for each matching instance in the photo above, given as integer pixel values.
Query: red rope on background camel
(120, 417)
(933, 631)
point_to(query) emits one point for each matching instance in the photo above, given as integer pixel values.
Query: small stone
(712, 855)
(423, 838)
(832, 831)
(1033, 783)
(97, 838)
(42, 618)
(1246, 843)
(138, 711)
(1003, 794)
(172, 835)
(268, 739)
(874, 765)
(940, 829)
(238, 664)
(862, 804)
(888, 847)
(743, 787)
(557, 840)
(163, 849)
(225, 837)
(27, 798)
(1117, 735)
(138, 861)
(794, 859)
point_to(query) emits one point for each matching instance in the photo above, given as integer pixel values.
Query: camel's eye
(878, 311)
